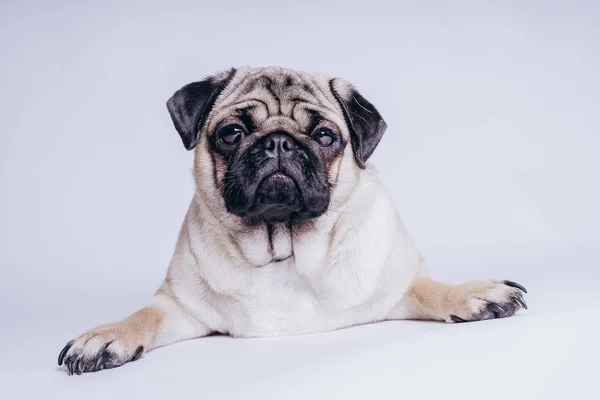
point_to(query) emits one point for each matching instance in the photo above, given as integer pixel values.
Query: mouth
(277, 199)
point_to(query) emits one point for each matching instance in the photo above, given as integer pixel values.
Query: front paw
(107, 346)
(475, 301)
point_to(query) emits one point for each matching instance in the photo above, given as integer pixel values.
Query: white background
(492, 155)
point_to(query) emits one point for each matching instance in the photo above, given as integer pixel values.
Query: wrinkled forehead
(272, 98)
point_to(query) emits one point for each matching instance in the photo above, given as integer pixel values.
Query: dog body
(350, 265)
(289, 231)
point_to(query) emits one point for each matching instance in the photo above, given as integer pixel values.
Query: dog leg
(161, 322)
(472, 301)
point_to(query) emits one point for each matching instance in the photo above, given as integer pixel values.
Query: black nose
(278, 144)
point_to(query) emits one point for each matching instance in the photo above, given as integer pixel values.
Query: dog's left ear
(189, 106)
(364, 122)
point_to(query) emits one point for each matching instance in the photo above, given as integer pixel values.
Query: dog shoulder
(369, 221)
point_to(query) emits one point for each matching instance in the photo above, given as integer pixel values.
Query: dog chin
(277, 199)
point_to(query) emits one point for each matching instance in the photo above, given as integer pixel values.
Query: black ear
(189, 106)
(364, 122)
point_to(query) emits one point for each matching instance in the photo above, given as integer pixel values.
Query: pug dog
(289, 231)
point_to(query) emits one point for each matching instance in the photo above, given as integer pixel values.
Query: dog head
(273, 144)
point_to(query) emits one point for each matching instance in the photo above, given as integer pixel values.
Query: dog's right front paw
(480, 300)
(107, 346)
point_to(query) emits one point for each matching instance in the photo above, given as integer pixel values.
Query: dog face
(275, 145)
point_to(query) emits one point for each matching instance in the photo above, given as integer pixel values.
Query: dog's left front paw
(107, 346)
(475, 301)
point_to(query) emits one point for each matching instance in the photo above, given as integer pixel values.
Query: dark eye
(231, 135)
(325, 137)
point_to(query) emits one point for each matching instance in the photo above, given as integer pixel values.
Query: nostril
(286, 145)
(278, 143)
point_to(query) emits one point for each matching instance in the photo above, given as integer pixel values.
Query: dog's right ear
(189, 106)
(364, 122)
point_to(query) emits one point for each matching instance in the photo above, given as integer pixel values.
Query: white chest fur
(278, 280)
